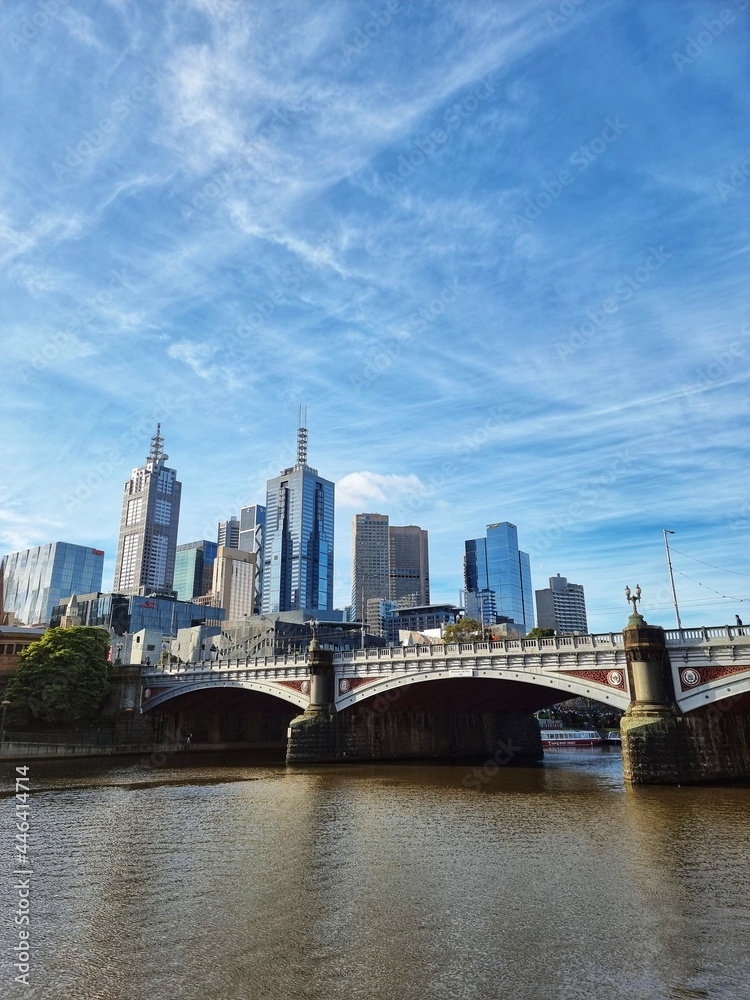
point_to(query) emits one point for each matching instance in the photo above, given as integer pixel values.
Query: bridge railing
(296, 662)
(692, 636)
(511, 647)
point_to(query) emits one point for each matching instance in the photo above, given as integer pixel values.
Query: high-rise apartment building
(562, 606)
(35, 580)
(252, 533)
(298, 547)
(494, 565)
(194, 569)
(234, 581)
(229, 533)
(148, 526)
(409, 565)
(370, 561)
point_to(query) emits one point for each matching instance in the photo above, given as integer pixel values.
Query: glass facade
(409, 565)
(495, 564)
(37, 579)
(298, 546)
(252, 537)
(193, 569)
(123, 613)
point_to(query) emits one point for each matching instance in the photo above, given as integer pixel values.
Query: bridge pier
(660, 745)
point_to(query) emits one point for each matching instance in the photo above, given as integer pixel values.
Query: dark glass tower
(298, 545)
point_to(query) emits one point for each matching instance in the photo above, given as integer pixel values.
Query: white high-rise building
(562, 606)
(148, 526)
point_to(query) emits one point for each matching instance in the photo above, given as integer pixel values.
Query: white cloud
(358, 489)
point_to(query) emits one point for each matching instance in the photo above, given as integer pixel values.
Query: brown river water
(215, 878)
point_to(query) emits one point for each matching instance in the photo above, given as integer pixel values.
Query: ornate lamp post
(636, 596)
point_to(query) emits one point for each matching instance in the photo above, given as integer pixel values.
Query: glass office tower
(298, 545)
(409, 565)
(35, 580)
(252, 534)
(495, 564)
(194, 569)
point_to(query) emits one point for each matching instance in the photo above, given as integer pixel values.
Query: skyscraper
(252, 533)
(409, 565)
(194, 569)
(234, 581)
(370, 560)
(35, 580)
(298, 547)
(562, 606)
(148, 526)
(495, 569)
(229, 533)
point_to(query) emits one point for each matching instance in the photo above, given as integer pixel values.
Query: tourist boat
(570, 738)
(614, 736)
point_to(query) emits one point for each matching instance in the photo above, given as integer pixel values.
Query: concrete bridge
(686, 694)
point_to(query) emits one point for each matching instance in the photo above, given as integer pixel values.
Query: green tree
(467, 630)
(540, 633)
(62, 678)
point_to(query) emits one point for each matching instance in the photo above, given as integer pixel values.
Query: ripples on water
(217, 880)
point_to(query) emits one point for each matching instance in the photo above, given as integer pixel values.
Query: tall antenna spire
(302, 438)
(157, 451)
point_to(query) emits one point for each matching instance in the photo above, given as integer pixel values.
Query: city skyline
(499, 295)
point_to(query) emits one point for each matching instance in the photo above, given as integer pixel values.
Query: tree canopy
(467, 630)
(540, 633)
(62, 678)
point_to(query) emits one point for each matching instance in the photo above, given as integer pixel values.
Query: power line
(661, 607)
(734, 571)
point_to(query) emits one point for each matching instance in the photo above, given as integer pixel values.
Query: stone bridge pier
(660, 745)
(386, 730)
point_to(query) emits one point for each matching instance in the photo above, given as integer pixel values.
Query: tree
(540, 633)
(62, 678)
(467, 630)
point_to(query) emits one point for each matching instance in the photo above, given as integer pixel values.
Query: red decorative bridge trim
(692, 677)
(302, 686)
(348, 684)
(610, 678)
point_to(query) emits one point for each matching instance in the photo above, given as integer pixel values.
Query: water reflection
(227, 879)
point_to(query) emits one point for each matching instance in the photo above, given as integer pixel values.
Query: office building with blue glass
(298, 544)
(497, 575)
(35, 580)
(127, 613)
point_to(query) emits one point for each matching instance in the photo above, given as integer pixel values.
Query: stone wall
(685, 749)
(356, 735)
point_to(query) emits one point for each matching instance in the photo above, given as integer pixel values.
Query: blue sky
(500, 251)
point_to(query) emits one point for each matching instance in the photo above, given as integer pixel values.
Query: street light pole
(671, 576)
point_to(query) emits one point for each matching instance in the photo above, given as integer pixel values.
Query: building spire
(302, 438)
(157, 450)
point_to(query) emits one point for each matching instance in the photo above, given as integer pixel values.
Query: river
(217, 879)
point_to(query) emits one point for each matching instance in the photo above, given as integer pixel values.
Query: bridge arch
(566, 685)
(288, 694)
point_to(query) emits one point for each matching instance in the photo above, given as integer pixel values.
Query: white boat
(567, 738)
